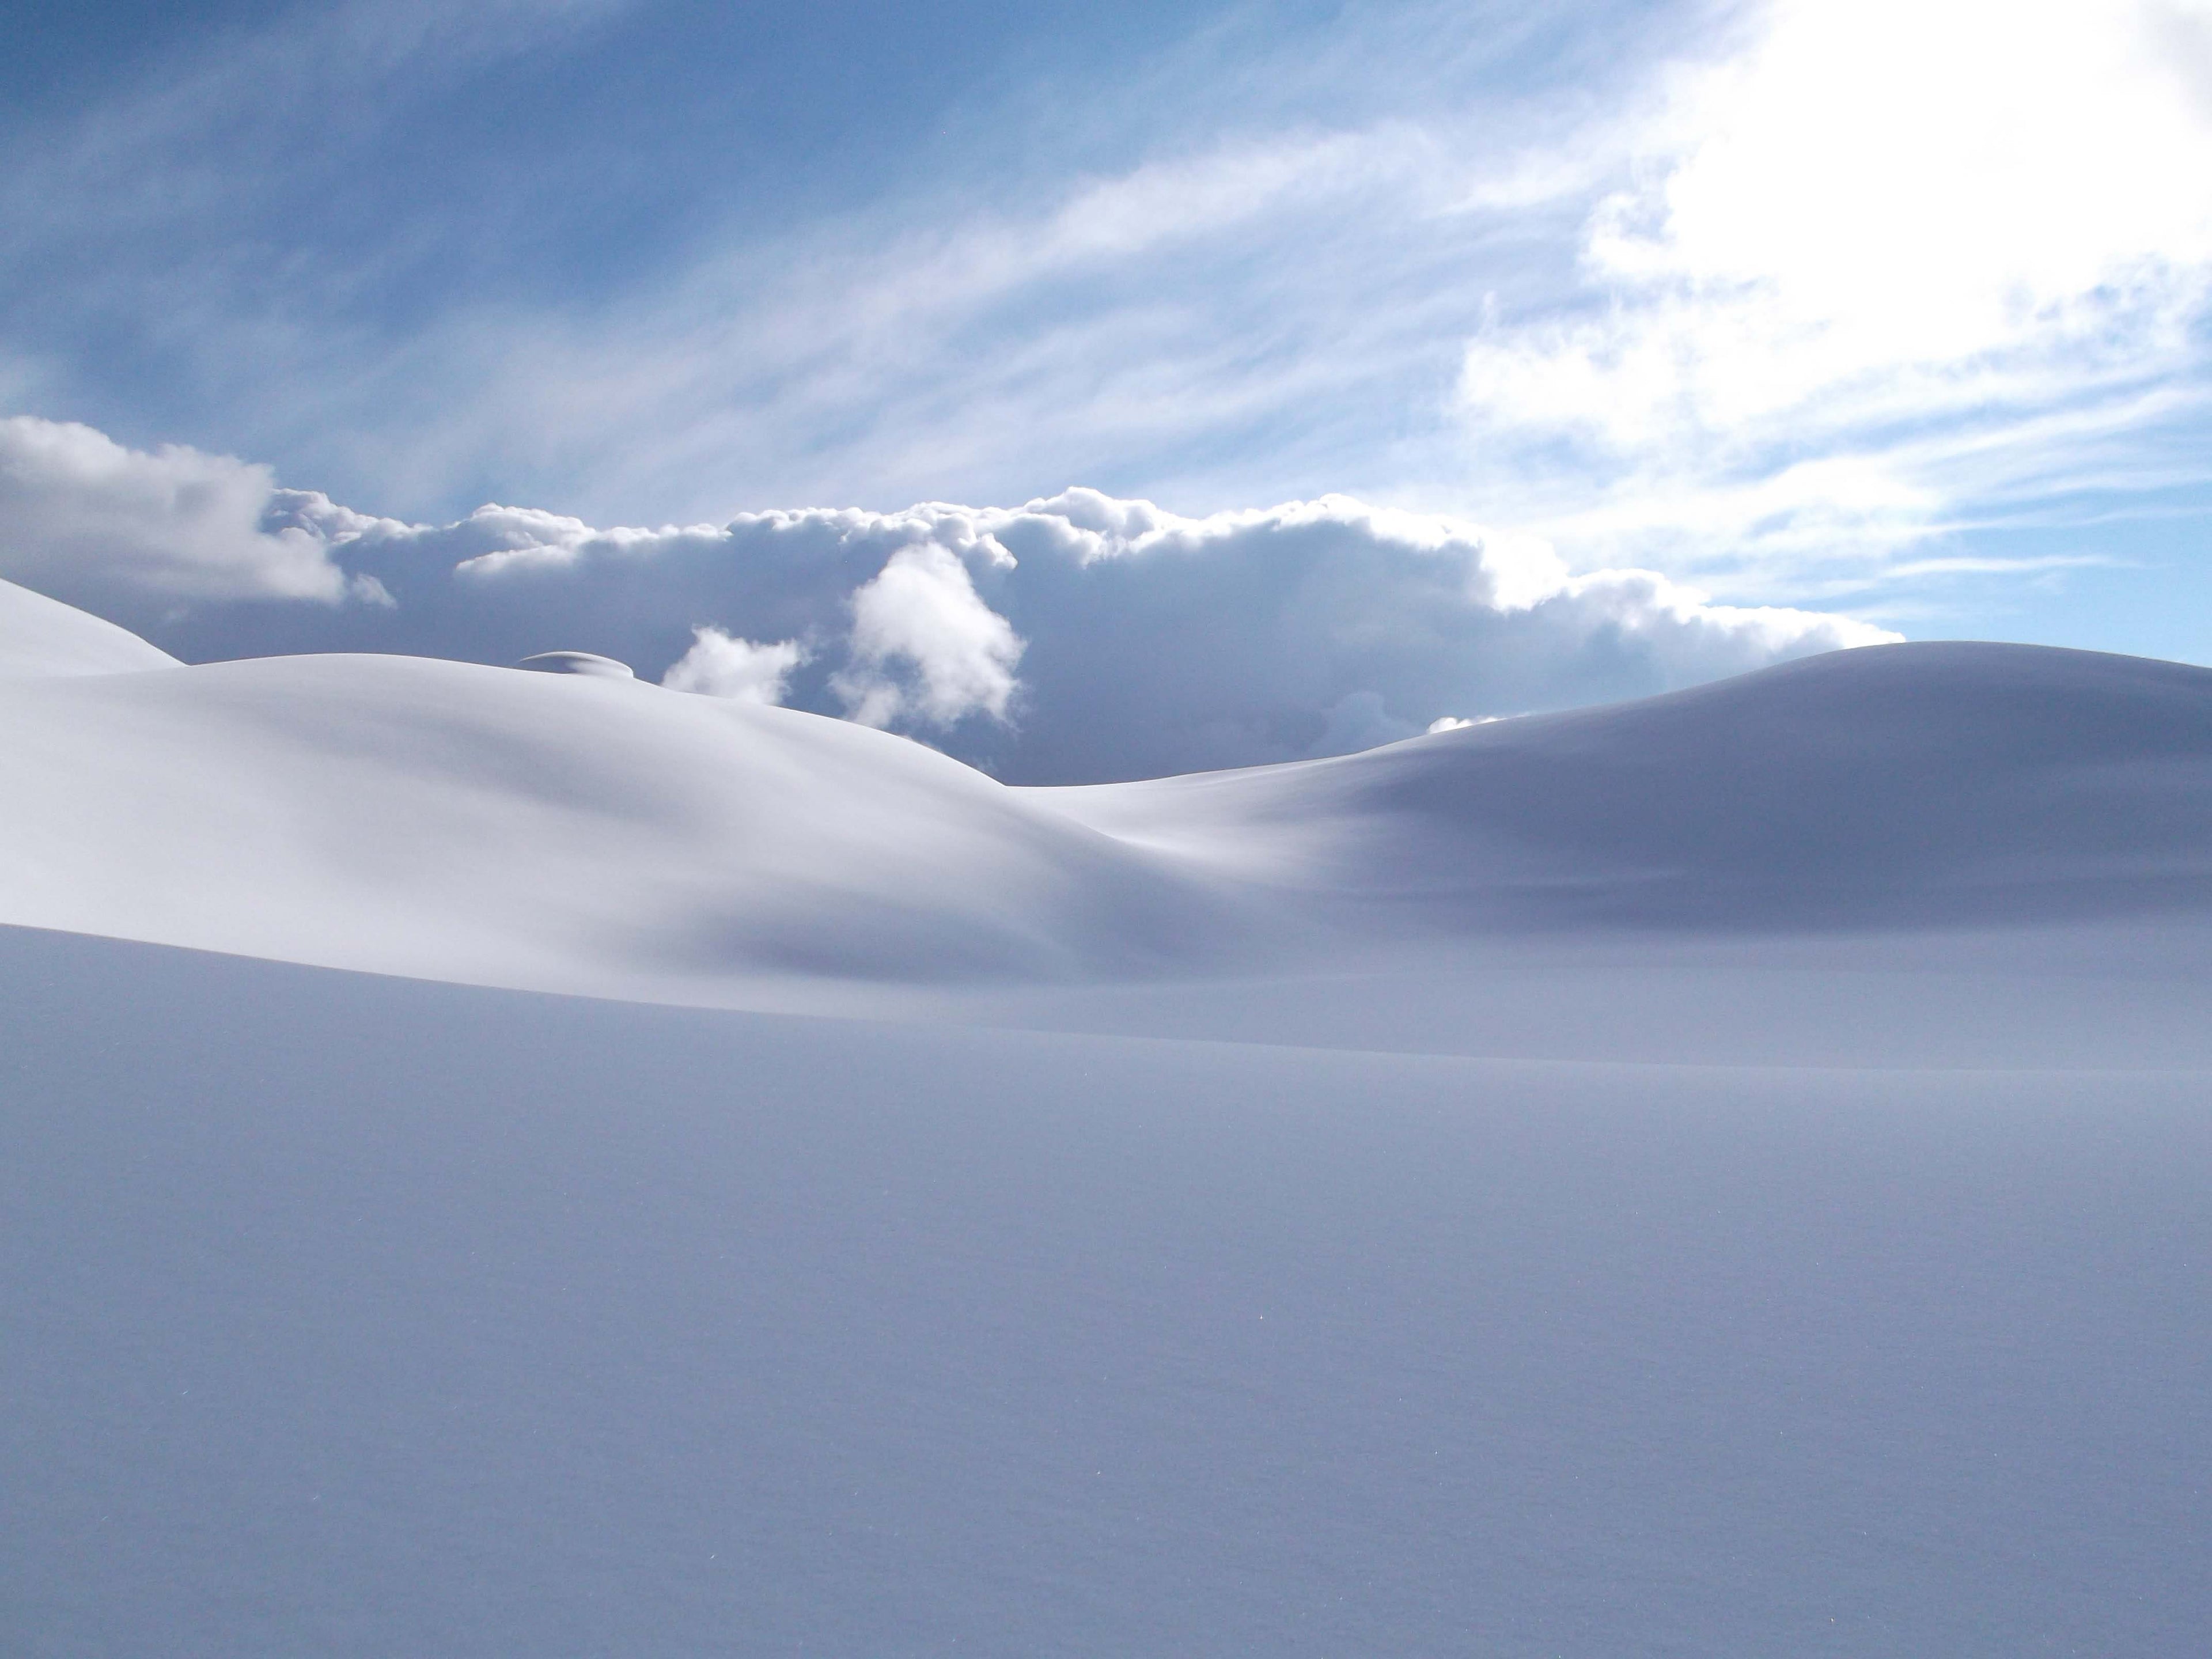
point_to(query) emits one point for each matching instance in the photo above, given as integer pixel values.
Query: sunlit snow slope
(454, 820)
(449, 820)
(40, 637)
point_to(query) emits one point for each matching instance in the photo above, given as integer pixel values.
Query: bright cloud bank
(1076, 636)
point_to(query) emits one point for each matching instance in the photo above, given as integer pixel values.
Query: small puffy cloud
(925, 648)
(718, 665)
(83, 518)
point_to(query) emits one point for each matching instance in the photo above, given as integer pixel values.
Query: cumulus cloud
(1882, 259)
(1075, 636)
(1080, 635)
(718, 665)
(82, 517)
(925, 646)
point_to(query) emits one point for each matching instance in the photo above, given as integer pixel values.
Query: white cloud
(83, 517)
(925, 649)
(718, 665)
(1887, 259)
(1076, 636)
(1108, 637)
(1770, 321)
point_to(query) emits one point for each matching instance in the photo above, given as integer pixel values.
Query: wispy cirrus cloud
(1151, 324)
(215, 228)
(1214, 269)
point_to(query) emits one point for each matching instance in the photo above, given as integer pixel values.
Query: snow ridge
(587, 833)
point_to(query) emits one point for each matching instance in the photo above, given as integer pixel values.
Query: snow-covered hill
(1409, 1309)
(1895, 785)
(457, 822)
(588, 833)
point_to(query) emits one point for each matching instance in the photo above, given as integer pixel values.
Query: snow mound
(41, 637)
(578, 662)
(1893, 785)
(586, 831)
(454, 820)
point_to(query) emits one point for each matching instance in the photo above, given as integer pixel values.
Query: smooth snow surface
(361, 1316)
(587, 832)
(553, 830)
(1719, 1175)
(1896, 786)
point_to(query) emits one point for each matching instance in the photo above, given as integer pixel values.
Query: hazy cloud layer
(1075, 636)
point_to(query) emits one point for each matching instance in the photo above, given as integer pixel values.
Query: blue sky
(1896, 311)
(765, 249)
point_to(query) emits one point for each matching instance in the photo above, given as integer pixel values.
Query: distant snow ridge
(1896, 785)
(591, 832)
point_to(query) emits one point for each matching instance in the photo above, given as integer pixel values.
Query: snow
(582, 831)
(552, 831)
(40, 637)
(1718, 1174)
(578, 662)
(1899, 785)
(358, 1315)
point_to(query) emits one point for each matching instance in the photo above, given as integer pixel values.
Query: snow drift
(482, 824)
(598, 834)
(354, 1314)
(1892, 785)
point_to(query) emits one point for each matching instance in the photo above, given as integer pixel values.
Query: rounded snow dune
(584, 832)
(1900, 784)
(447, 820)
(578, 662)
